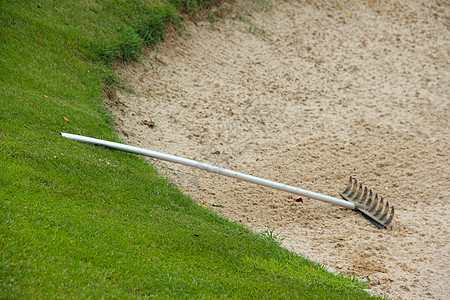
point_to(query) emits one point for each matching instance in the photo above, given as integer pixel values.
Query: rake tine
(391, 216)
(380, 207)
(348, 187)
(385, 211)
(374, 204)
(364, 196)
(387, 216)
(368, 203)
(373, 207)
(353, 189)
(358, 194)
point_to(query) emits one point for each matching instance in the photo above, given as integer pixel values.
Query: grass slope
(83, 221)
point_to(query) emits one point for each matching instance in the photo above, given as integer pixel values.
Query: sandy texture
(308, 93)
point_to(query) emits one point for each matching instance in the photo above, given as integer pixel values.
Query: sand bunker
(308, 93)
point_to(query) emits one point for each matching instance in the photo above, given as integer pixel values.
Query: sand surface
(308, 93)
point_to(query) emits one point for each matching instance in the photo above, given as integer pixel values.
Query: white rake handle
(210, 168)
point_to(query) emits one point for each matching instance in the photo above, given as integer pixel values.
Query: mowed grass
(81, 221)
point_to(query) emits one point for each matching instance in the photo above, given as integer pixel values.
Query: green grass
(82, 221)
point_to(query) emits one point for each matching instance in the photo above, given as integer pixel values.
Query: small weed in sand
(265, 4)
(212, 19)
(253, 28)
(355, 282)
(272, 236)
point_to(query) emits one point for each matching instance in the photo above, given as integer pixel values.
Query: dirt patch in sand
(308, 93)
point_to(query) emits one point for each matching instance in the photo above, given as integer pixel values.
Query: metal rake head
(373, 207)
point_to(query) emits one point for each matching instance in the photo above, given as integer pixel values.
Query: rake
(357, 197)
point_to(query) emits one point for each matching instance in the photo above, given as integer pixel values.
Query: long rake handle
(210, 168)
